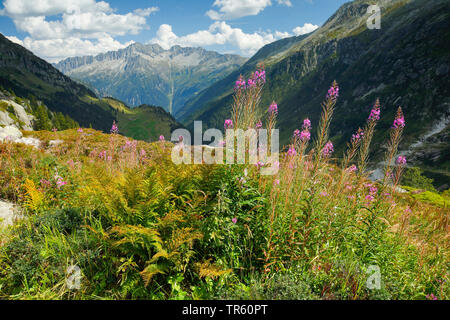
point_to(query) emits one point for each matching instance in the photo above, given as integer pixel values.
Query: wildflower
(399, 122)
(292, 151)
(71, 163)
(273, 108)
(114, 128)
(109, 158)
(352, 168)
(45, 183)
(102, 155)
(373, 190)
(142, 153)
(328, 149)
(296, 133)
(305, 135)
(251, 83)
(277, 181)
(80, 130)
(240, 83)
(369, 198)
(259, 124)
(431, 297)
(357, 136)
(375, 112)
(401, 160)
(228, 124)
(306, 124)
(161, 138)
(260, 76)
(54, 130)
(323, 194)
(259, 164)
(333, 92)
(60, 182)
(234, 220)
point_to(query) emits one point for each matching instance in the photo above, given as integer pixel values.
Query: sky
(58, 29)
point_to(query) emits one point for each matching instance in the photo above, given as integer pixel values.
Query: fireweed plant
(139, 226)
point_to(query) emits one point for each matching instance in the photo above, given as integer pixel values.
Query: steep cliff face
(142, 74)
(405, 63)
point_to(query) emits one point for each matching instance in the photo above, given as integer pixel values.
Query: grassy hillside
(139, 226)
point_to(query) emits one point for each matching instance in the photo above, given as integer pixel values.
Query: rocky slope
(142, 74)
(405, 63)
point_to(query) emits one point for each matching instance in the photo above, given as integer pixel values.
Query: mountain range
(149, 74)
(404, 63)
(28, 77)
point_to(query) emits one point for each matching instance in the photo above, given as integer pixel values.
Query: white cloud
(15, 40)
(82, 27)
(58, 49)
(307, 28)
(285, 2)
(234, 9)
(219, 33)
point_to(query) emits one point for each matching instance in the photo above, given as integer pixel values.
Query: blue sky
(56, 29)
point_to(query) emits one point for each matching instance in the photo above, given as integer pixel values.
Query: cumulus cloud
(234, 9)
(219, 33)
(81, 27)
(307, 28)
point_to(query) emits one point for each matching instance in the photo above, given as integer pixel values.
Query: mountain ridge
(140, 74)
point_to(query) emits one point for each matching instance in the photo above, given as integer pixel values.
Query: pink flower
(142, 153)
(306, 124)
(431, 297)
(357, 136)
(323, 194)
(305, 135)
(292, 151)
(80, 130)
(369, 198)
(54, 129)
(114, 128)
(277, 181)
(328, 149)
(45, 183)
(333, 92)
(234, 220)
(102, 155)
(60, 182)
(399, 122)
(259, 164)
(161, 138)
(259, 124)
(401, 160)
(296, 133)
(228, 124)
(352, 168)
(375, 112)
(240, 83)
(273, 108)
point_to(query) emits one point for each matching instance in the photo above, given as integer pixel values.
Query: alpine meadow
(320, 170)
